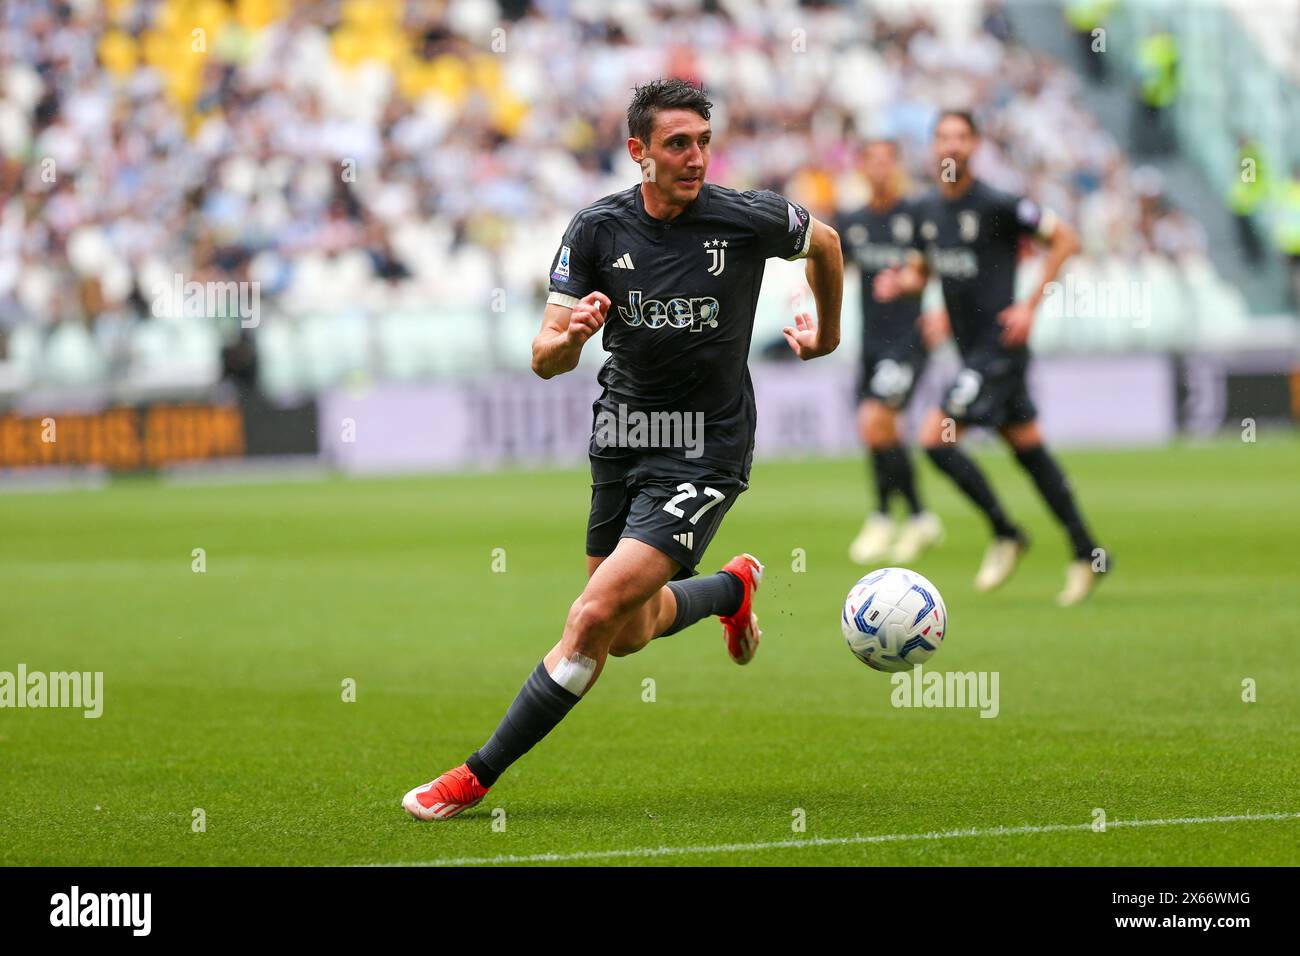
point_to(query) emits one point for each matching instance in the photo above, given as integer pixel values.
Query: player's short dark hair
(964, 115)
(672, 93)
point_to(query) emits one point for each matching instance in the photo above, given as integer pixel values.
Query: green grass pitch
(223, 689)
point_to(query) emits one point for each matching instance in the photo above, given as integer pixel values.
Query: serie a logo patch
(562, 267)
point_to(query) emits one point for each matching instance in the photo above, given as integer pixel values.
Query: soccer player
(670, 269)
(969, 233)
(878, 236)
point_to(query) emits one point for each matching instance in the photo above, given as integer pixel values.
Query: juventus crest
(717, 250)
(968, 221)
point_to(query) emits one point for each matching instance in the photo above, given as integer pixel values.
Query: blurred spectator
(1157, 62)
(1287, 230)
(1247, 192)
(1086, 18)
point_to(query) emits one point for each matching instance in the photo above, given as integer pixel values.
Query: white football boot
(920, 533)
(1000, 560)
(872, 542)
(1080, 579)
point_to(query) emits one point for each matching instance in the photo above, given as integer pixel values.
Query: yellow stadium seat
(117, 51)
(259, 14)
(451, 78)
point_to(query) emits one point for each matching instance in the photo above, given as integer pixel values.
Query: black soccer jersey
(972, 244)
(683, 293)
(877, 240)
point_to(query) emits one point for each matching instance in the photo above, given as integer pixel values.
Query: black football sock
(902, 479)
(703, 597)
(884, 475)
(954, 463)
(1055, 489)
(541, 705)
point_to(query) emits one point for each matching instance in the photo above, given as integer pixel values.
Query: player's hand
(586, 318)
(1017, 322)
(935, 327)
(802, 337)
(887, 286)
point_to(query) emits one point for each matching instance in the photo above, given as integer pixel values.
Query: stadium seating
(385, 136)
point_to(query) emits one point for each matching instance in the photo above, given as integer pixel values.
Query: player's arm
(909, 279)
(565, 331)
(825, 274)
(1062, 242)
(574, 311)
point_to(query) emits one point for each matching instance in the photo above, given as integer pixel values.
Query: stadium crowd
(403, 154)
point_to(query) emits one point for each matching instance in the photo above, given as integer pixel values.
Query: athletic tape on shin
(574, 674)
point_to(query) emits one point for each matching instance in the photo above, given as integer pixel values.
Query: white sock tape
(575, 673)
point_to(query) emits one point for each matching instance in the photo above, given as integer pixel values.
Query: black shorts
(991, 395)
(890, 380)
(672, 504)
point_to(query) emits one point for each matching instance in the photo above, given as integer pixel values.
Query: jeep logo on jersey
(717, 250)
(955, 263)
(678, 313)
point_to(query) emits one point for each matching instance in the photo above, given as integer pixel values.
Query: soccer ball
(894, 619)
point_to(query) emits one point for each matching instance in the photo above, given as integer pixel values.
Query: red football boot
(741, 629)
(454, 792)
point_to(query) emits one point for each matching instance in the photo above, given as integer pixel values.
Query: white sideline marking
(650, 852)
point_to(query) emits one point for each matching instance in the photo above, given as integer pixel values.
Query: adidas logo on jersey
(623, 262)
(686, 539)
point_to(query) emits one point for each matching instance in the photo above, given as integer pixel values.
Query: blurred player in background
(684, 260)
(876, 237)
(969, 233)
